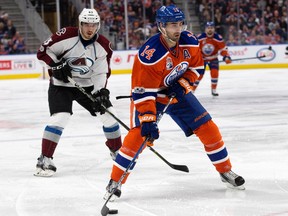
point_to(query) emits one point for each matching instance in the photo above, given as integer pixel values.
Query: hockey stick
(183, 168)
(105, 210)
(123, 96)
(94, 100)
(257, 57)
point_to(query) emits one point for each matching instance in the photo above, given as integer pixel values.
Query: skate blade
(112, 199)
(44, 173)
(241, 187)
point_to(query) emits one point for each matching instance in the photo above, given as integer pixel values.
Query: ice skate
(45, 167)
(232, 180)
(214, 92)
(110, 188)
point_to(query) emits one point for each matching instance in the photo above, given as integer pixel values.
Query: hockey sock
(50, 140)
(196, 83)
(214, 78)
(131, 144)
(113, 136)
(210, 136)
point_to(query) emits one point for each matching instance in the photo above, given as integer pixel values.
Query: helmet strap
(164, 33)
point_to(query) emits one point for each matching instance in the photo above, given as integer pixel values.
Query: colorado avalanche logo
(80, 65)
(208, 49)
(176, 73)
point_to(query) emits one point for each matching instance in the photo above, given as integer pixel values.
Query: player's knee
(59, 119)
(132, 141)
(107, 119)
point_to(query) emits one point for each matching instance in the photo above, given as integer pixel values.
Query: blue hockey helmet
(208, 24)
(169, 13)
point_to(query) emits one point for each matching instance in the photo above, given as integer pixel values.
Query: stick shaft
(105, 209)
(239, 59)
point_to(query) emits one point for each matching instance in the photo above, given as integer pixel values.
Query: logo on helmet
(209, 24)
(169, 14)
(89, 16)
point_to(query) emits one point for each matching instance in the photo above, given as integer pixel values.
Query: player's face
(88, 30)
(210, 30)
(173, 30)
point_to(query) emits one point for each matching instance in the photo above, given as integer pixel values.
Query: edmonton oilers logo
(176, 73)
(208, 49)
(269, 54)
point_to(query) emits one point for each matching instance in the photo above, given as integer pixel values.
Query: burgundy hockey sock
(48, 148)
(114, 144)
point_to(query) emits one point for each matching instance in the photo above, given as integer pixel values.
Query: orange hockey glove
(227, 59)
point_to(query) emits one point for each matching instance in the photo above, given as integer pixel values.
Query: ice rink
(251, 112)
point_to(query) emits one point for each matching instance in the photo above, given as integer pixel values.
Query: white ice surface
(251, 112)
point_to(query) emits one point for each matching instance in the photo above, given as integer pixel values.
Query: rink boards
(244, 57)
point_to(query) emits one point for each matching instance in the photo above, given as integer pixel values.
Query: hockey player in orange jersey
(211, 45)
(169, 62)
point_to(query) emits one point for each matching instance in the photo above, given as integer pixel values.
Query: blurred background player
(211, 45)
(169, 62)
(84, 55)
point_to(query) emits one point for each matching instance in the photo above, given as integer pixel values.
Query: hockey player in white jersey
(84, 55)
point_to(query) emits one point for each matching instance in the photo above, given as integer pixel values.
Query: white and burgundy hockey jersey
(89, 60)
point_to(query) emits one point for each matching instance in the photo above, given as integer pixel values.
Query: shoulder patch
(105, 43)
(201, 36)
(188, 38)
(101, 39)
(147, 52)
(64, 33)
(218, 37)
(152, 50)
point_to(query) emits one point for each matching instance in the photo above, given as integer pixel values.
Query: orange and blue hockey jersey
(157, 66)
(211, 47)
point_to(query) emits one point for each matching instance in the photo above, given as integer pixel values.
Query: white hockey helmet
(89, 16)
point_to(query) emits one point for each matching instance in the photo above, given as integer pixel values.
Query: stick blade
(182, 168)
(104, 210)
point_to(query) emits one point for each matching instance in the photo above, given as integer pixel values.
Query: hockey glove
(61, 71)
(227, 59)
(180, 88)
(102, 99)
(149, 127)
